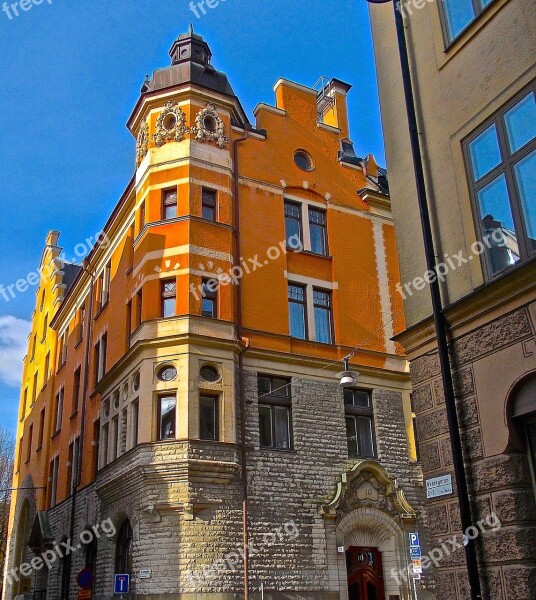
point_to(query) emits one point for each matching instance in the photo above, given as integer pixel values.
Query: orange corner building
(182, 418)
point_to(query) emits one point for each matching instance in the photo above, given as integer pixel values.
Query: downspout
(243, 450)
(441, 325)
(78, 467)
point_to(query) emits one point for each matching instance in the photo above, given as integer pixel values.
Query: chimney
(332, 107)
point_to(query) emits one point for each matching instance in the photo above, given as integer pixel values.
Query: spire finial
(191, 30)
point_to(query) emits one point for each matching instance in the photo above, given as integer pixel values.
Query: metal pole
(439, 318)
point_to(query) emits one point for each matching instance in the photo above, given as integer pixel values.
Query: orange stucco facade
(141, 248)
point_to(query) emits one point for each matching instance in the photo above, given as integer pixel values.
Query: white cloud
(13, 344)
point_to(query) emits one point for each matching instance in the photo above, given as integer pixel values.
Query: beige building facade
(473, 73)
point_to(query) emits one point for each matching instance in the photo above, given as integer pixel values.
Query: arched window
(91, 556)
(123, 549)
(65, 574)
(524, 415)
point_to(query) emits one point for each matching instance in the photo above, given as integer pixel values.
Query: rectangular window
(115, 437)
(167, 417)
(275, 412)
(208, 418)
(76, 388)
(129, 321)
(317, 226)
(169, 204)
(105, 443)
(53, 480)
(323, 316)
(297, 311)
(209, 204)
(209, 303)
(41, 433)
(30, 442)
(105, 289)
(34, 346)
(58, 410)
(19, 456)
(293, 224)
(169, 297)
(359, 423)
(501, 161)
(139, 308)
(135, 423)
(24, 404)
(47, 369)
(142, 216)
(70, 470)
(100, 358)
(96, 446)
(459, 14)
(34, 389)
(45, 329)
(62, 351)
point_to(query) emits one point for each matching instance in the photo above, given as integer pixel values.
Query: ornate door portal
(365, 574)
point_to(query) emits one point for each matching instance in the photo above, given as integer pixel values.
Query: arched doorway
(21, 548)
(523, 415)
(123, 549)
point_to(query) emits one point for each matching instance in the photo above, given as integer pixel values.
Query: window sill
(79, 342)
(55, 434)
(37, 450)
(73, 415)
(311, 253)
(61, 367)
(101, 310)
(283, 450)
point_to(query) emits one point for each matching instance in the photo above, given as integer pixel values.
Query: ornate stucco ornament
(209, 127)
(142, 144)
(368, 482)
(170, 125)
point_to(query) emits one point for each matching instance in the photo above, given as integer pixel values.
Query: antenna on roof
(191, 30)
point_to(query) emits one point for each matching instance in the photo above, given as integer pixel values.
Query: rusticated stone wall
(499, 482)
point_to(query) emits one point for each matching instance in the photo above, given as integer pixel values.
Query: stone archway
(369, 510)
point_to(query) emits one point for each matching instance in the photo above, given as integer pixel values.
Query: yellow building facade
(180, 388)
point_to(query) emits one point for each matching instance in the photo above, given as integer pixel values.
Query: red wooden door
(365, 574)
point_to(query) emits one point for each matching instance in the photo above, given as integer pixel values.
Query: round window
(209, 374)
(167, 373)
(209, 123)
(303, 160)
(169, 122)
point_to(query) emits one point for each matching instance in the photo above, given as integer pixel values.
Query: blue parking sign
(415, 552)
(122, 584)
(414, 539)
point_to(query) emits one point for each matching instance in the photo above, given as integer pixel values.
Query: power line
(348, 356)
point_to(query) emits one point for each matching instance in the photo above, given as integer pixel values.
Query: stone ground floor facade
(312, 510)
(494, 364)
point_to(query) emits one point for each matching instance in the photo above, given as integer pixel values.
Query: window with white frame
(310, 312)
(501, 161)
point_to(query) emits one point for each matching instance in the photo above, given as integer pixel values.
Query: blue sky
(71, 73)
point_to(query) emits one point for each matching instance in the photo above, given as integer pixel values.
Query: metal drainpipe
(78, 466)
(243, 450)
(441, 325)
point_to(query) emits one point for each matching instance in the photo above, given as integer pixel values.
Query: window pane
(170, 212)
(496, 215)
(323, 325)
(280, 388)
(485, 152)
(297, 320)
(318, 239)
(167, 417)
(209, 308)
(359, 398)
(282, 427)
(459, 14)
(208, 213)
(351, 436)
(293, 232)
(265, 426)
(526, 181)
(207, 418)
(521, 123)
(364, 436)
(169, 307)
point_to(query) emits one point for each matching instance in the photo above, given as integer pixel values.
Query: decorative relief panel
(170, 125)
(209, 127)
(142, 145)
